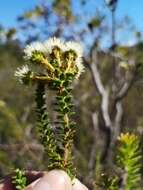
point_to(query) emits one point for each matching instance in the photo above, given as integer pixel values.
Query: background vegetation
(108, 96)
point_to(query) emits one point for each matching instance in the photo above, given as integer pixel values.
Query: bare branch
(119, 110)
(105, 109)
(104, 93)
(118, 119)
(96, 78)
(124, 90)
(126, 86)
(95, 73)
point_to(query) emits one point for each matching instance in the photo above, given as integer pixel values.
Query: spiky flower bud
(56, 54)
(23, 74)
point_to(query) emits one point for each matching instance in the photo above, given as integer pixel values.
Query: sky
(10, 9)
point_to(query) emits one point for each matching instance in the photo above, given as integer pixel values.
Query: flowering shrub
(54, 64)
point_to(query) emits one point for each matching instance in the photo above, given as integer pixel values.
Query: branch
(118, 119)
(124, 90)
(96, 75)
(104, 108)
(104, 93)
(127, 86)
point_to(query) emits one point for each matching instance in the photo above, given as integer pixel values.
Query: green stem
(66, 128)
(19, 179)
(45, 129)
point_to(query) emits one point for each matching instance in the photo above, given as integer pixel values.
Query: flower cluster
(55, 56)
(23, 74)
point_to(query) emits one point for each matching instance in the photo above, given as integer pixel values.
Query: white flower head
(77, 48)
(47, 47)
(54, 42)
(35, 46)
(21, 72)
(80, 67)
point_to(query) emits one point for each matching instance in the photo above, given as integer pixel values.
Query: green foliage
(63, 8)
(123, 50)
(9, 124)
(6, 164)
(58, 151)
(128, 174)
(138, 35)
(108, 183)
(10, 33)
(29, 14)
(129, 159)
(86, 96)
(11, 129)
(66, 128)
(45, 129)
(19, 179)
(95, 22)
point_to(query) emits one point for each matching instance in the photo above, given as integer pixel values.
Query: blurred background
(108, 96)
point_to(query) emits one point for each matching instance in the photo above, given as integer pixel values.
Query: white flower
(80, 67)
(54, 42)
(47, 47)
(20, 73)
(32, 47)
(76, 47)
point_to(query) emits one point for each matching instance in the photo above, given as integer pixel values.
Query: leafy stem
(45, 129)
(65, 127)
(19, 179)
